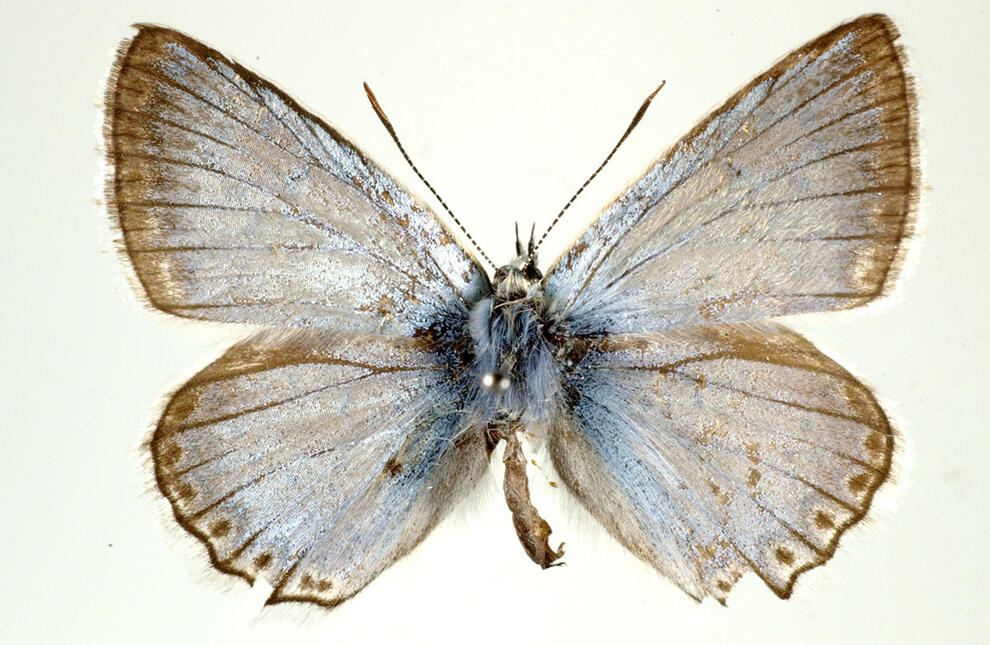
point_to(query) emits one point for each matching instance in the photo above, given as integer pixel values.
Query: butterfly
(389, 365)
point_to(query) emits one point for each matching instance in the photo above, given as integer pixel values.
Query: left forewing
(714, 451)
(235, 204)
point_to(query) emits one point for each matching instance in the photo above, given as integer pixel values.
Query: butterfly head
(517, 278)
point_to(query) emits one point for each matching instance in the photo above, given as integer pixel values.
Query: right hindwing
(713, 451)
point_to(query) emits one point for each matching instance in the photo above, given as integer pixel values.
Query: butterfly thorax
(512, 359)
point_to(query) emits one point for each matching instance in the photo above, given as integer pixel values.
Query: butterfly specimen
(389, 364)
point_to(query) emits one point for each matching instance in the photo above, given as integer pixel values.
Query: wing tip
(109, 172)
(912, 215)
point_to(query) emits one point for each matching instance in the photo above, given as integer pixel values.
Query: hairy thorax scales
(513, 360)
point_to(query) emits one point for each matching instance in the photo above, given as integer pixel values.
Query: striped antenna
(388, 126)
(635, 120)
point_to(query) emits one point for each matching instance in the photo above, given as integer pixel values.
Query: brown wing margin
(912, 190)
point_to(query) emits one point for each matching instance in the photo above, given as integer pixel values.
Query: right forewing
(236, 204)
(315, 460)
(794, 196)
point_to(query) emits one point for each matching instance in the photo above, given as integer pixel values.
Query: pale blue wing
(794, 196)
(314, 460)
(235, 204)
(713, 451)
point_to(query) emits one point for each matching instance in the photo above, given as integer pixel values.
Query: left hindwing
(713, 451)
(314, 460)
(794, 196)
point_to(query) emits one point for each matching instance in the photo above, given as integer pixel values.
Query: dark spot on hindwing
(824, 520)
(859, 483)
(220, 528)
(393, 467)
(263, 560)
(784, 556)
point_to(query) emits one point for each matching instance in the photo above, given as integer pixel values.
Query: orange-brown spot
(754, 477)
(663, 374)
(185, 491)
(307, 582)
(711, 430)
(553, 484)
(723, 586)
(393, 467)
(875, 442)
(711, 310)
(386, 305)
(716, 308)
(705, 437)
(718, 493)
(577, 249)
(859, 483)
(824, 520)
(702, 382)
(387, 196)
(323, 585)
(263, 560)
(708, 552)
(753, 451)
(784, 556)
(220, 528)
(661, 402)
(169, 455)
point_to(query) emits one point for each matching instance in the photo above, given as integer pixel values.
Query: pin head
(497, 381)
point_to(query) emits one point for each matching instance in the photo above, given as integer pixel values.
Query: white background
(506, 109)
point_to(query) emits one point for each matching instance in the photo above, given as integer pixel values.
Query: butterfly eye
(530, 272)
(497, 381)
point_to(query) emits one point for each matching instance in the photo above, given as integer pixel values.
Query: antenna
(635, 120)
(395, 138)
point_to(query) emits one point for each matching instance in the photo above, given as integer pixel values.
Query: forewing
(315, 460)
(713, 451)
(236, 204)
(794, 196)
